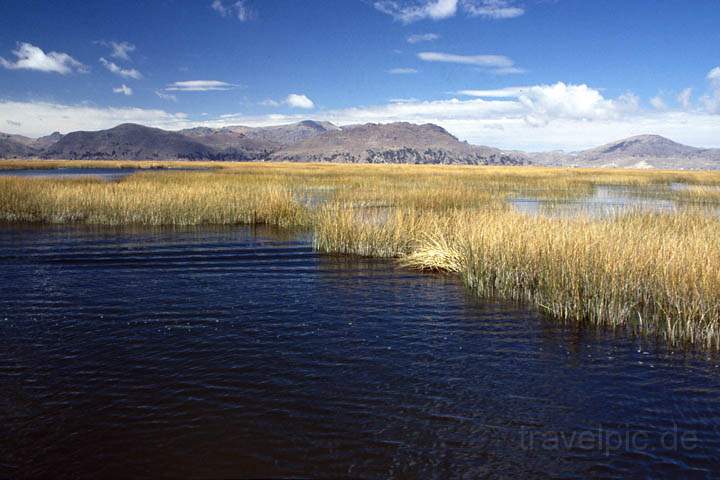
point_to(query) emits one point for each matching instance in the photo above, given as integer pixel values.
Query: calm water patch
(242, 352)
(606, 200)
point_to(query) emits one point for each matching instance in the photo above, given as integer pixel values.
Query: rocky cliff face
(393, 143)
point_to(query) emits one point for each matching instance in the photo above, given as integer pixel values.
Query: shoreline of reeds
(654, 274)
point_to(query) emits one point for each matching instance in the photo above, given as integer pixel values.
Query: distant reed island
(643, 259)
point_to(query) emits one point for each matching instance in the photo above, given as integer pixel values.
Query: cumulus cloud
(402, 71)
(124, 89)
(577, 102)
(422, 37)
(118, 70)
(296, 100)
(408, 11)
(30, 57)
(239, 9)
(199, 86)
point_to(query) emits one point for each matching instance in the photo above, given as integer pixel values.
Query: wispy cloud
(499, 61)
(119, 50)
(496, 64)
(507, 92)
(711, 101)
(124, 89)
(422, 37)
(118, 70)
(658, 103)
(402, 71)
(408, 11)
(199, 86)
(412, 11)
(166, 96)
(239, 9)
(30, 57)
(494, 9)
(684, 98)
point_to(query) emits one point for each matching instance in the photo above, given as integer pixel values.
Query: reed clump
(647, 273)
(171, 199)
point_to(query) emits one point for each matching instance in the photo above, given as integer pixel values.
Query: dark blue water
(243, 353)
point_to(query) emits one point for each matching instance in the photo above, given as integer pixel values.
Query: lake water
(241, 352)
(109, 174)
(605, 201)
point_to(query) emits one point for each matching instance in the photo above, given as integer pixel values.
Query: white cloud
(117, 70)
(711, 101)
(539, 117)
(296, 100)
(497, 64)
(239, 9)
(408, 11)
(166, 96)
(30, 57)
(545, 103)
(658, 103)
(714, 76)
(422, 37)
(269, 102)
(402, 71)
(199, 86)
(413, 11)
(494, 9)
(684, 98)
(507, 92)
(499, 61)
(124, 89)
(42, 118)
(119, 50)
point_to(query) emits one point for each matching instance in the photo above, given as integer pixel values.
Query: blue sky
(526, 74)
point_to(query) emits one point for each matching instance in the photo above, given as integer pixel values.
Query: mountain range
(313, 141)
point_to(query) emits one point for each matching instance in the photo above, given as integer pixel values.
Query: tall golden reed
(647, 273)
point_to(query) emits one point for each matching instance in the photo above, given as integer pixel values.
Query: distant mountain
(13, 147)
(129, 141)
(392, 143)
(47, 141)
(642, 151)
(231, 141)
(286, 135)
(313, 141)
(256, 143)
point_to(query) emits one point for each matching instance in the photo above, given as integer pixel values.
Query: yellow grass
(654, 274)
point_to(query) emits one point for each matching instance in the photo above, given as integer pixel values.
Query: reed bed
(645, 273)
